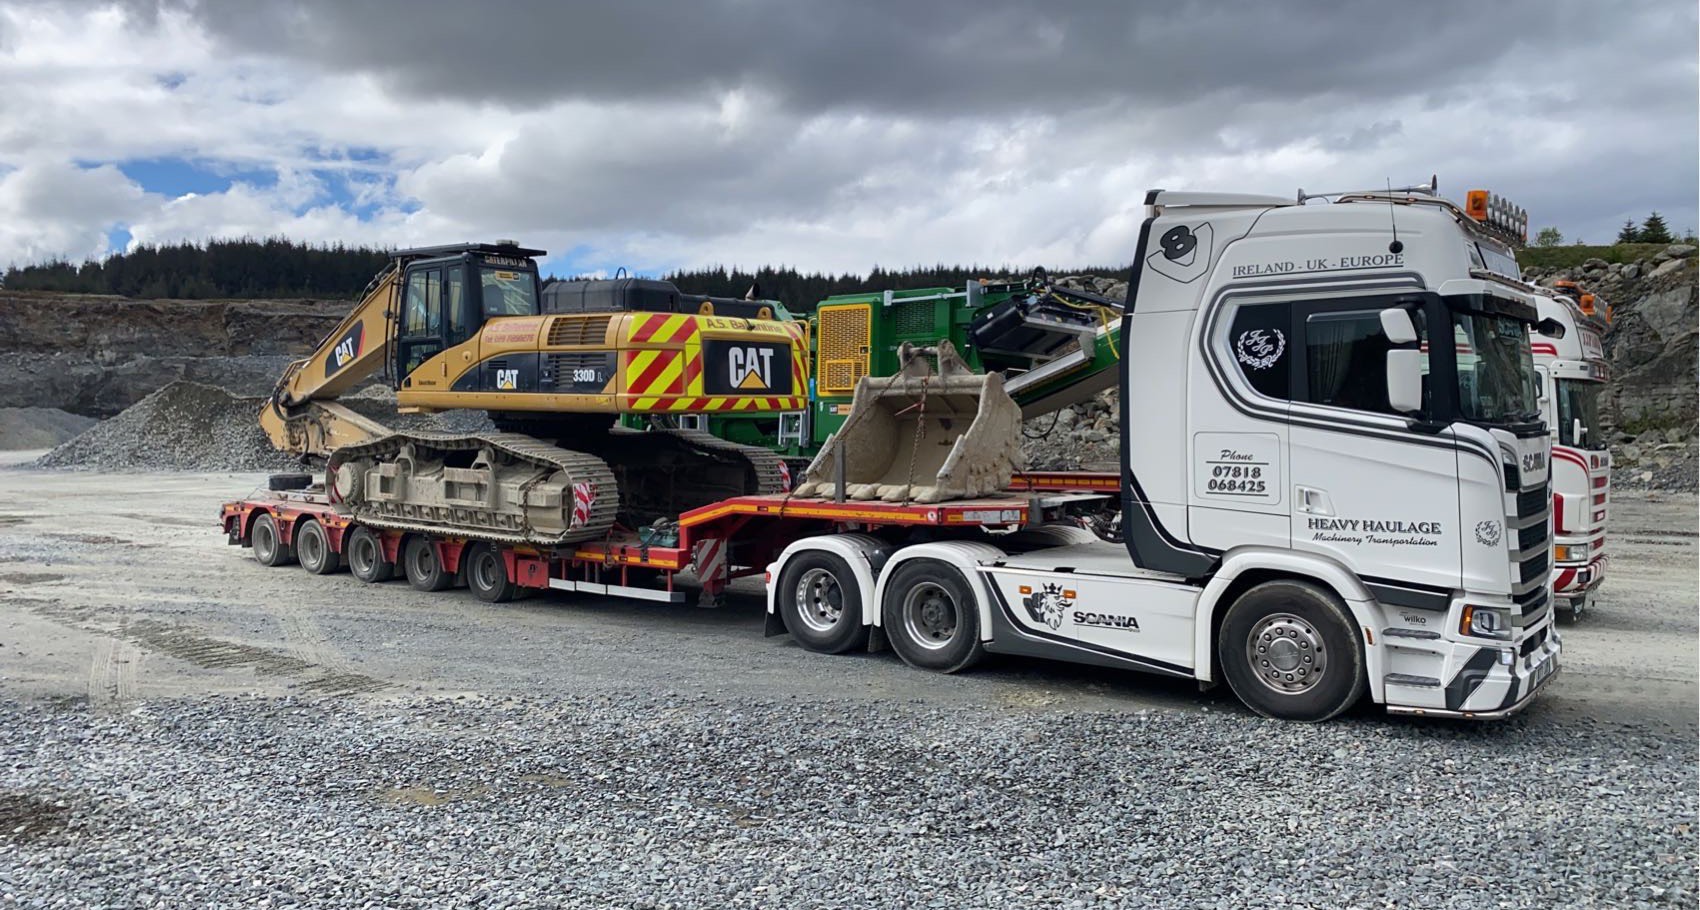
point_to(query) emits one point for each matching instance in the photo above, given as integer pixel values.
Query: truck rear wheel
(930, 618)
(487, 574)
(424, 570)
(1290, 650)
(269, 548)
(821, 603)
(313, 548)
(365, 553)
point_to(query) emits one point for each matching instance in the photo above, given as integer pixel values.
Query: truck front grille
(1531, 501)
(1531, 536)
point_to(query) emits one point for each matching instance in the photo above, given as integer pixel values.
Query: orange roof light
(1587, 304)
(1476, 204)
(1498, 215)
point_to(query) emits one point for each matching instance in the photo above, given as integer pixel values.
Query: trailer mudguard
(862, 551)
(965, 555)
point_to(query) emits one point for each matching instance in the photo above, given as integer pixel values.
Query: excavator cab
(448, 293)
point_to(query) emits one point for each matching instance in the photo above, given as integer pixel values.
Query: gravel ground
(180, 726)
(679, 800)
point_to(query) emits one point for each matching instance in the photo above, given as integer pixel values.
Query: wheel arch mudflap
(965, 555)
(858, 550)
(1258, 564)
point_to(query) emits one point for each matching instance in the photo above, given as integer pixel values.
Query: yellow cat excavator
(470, 326)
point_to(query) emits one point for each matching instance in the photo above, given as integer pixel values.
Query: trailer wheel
(269, 548)
(424, 570)
(930, 618)
(1290, 650)
(365, 553)
(487, 574)
(313, 549)
(821, 603)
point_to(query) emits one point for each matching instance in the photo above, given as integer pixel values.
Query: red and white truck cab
(1573, 374)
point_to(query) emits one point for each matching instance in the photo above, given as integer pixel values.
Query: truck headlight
(1486, 622)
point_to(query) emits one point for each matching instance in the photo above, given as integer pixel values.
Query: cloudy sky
(826, 136)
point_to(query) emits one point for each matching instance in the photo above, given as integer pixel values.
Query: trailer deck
(718, 543)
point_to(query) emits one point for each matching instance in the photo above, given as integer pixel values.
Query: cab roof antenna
(1395, 247)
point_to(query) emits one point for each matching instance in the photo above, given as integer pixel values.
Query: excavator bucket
(921, 436)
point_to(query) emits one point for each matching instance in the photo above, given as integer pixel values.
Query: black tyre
(424, 571)
(284, 482)
(269, 548)
(487, 574)
(365, 555)
(313, 548)
(1290, 650)
(821, 602)
(930, 617)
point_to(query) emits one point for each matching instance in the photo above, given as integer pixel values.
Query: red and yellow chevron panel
(651, 374)
(665, 373)
(664, 328)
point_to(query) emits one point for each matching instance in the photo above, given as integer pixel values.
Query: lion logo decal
(1047, 605)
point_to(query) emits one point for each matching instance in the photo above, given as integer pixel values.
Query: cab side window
(458, 327)
(417, 311)
(1346, 360)
(1262, 349)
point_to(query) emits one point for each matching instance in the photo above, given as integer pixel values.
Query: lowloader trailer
(1315, 504)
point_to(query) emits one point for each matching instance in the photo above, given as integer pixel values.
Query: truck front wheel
(1290, 650)
(821, 603)
(930, 617)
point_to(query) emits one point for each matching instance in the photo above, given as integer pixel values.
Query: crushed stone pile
(187, 426)
(39, 428)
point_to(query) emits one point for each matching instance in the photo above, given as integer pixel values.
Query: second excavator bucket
(921, 436)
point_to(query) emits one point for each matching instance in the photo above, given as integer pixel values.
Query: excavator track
(663, 473)
(769, 468)
(504, 487)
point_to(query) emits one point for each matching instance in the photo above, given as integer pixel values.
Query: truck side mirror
(1550, 327)
(1578, 432)
(1405, 379)
(1397, 326)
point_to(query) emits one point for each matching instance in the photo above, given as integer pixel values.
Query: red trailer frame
(719, 542)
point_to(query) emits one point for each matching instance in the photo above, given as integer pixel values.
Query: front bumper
(1571, 581)
(1487, 682)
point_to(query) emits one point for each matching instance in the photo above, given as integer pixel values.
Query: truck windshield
(508, 292)
(1496, 371)
(1579, 399)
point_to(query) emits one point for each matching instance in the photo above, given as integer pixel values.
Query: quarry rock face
(97, 355)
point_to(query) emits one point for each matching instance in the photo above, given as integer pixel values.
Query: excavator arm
(301, 417)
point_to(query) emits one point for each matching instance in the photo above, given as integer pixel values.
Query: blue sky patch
(176, 177)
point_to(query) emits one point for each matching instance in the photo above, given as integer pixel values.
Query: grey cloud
(963, 56)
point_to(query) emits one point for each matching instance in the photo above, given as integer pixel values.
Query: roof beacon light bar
(1498, 215)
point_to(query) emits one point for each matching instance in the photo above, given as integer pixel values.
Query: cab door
(1369, 488)
(421, 333)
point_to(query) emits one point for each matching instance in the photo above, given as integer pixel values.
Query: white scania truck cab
(1317, 503)
(1573, 375)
